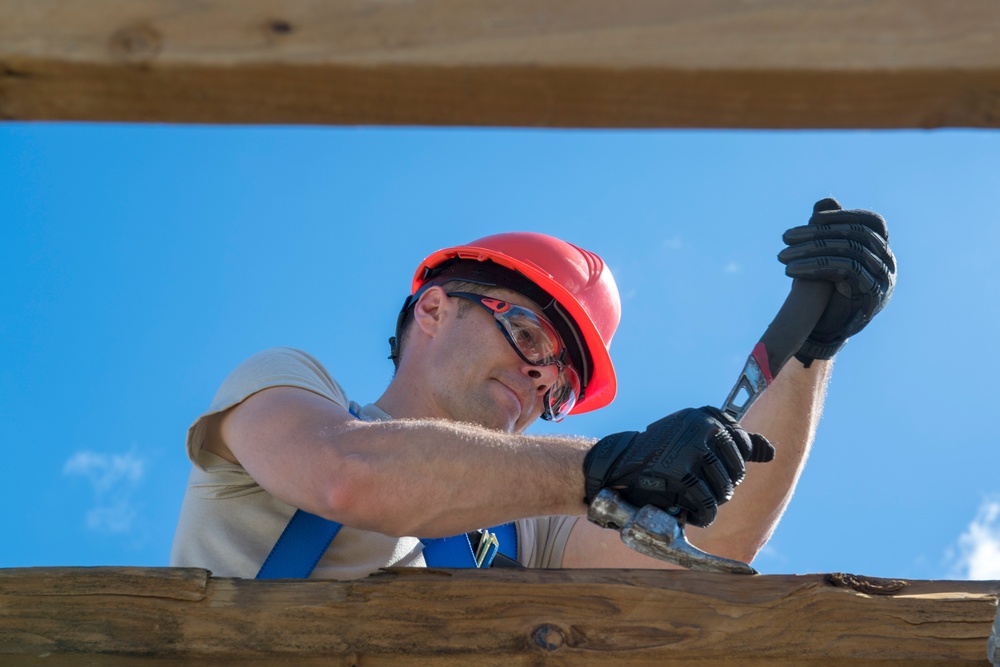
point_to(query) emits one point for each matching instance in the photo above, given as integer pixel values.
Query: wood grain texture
(138, 616)
(575, 63)
(993, 646)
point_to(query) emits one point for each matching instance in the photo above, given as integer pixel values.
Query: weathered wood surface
(137, 616)
(993, 650)
(572, 63)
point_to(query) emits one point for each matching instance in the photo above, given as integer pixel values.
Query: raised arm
(849, 249)
(787, 414)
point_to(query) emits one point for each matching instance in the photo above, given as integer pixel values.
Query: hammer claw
(655, 533)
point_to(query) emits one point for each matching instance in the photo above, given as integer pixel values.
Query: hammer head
(657, 534)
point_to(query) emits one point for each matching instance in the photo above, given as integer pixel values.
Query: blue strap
(307, 537)
(457, 551)
(449, 552)
(302, 543)
(507, 536)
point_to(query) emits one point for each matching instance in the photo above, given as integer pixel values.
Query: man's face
(480, 378)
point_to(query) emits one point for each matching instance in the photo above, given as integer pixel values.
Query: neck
(406, 399)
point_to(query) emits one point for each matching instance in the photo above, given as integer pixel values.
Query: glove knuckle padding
(849, 248)
(722, 450)
(867, 219)
(718, 477)
(834, 269)
(837, 247)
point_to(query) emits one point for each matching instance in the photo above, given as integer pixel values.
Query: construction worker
(292, 478)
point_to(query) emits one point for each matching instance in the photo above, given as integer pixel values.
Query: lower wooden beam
(139, 616)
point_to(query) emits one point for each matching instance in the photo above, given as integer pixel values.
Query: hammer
(660, 534)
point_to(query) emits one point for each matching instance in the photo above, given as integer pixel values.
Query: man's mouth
(516, 396)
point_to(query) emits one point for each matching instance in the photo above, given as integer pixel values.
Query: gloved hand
(690, 460)
(851, 250)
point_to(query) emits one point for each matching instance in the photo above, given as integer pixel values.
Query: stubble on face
(483, 375)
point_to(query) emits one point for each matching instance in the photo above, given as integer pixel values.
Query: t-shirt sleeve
(542, 540)
(276, 367)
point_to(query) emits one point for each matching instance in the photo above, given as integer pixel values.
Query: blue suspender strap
(507, 536)
(449, 552)
(303, 542)
(457, 551)
(307, 537)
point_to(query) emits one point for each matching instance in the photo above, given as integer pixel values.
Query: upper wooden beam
(136, 616)
(572, 63)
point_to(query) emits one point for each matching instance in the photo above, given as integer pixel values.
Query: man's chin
(502, 422)
(500, 411)
(509, 424)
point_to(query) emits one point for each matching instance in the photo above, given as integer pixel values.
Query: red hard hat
(578, 280)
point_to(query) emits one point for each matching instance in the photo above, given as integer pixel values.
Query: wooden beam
(137, 616)
(572, 63)
(993, 646)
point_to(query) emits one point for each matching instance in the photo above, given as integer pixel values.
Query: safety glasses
(536, 341)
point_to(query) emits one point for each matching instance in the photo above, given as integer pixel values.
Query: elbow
(354, 499)
(338, 503)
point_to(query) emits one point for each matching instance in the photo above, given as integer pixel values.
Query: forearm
(436, 478)
(427, 478)
(787, 414)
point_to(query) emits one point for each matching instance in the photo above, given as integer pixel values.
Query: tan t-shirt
(228, 523)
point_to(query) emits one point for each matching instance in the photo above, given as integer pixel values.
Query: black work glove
(851, 250)
(690, 460)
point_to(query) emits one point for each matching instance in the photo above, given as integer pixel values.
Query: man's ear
(432, 310)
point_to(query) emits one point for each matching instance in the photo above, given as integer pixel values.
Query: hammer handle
(794, 322)
(784, 336)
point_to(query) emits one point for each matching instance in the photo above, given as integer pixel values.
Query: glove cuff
(601, 459)
(810, 351)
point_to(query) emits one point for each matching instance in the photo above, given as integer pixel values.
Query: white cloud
(979, 546)
(116, 518)
(675, 243)
(113, 479)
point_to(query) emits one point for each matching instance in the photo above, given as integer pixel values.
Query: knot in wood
(138, 43)
(866, 585)
(548, 637)
(279, 27)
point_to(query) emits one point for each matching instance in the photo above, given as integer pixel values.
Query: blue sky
(141, 263)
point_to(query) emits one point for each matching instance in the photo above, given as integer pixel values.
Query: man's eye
(525, 338)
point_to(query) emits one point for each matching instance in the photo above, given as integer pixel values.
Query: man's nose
(543, 377)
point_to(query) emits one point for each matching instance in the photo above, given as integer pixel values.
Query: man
(495, 334)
